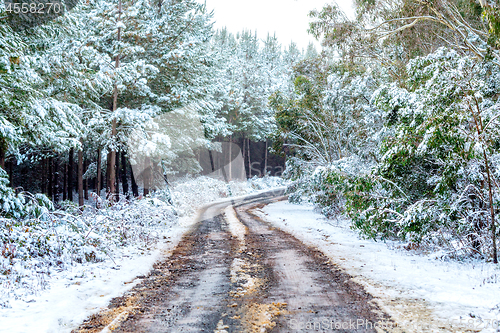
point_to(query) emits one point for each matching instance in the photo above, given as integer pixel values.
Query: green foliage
(23, 205)
(394, 130)
(11, 204)
(248, 72)
(432, 174)
(492, 15)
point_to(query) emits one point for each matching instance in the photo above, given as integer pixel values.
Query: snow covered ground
(421, 292)
(57, 298)
(73, 294)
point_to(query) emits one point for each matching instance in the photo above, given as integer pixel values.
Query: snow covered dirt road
(233, 272)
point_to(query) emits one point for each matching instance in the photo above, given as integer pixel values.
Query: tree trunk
(230, 158)
(80, 177)
(112, 155)
(117, 178)
(108, 171)
(146, 175)
(46, 168)
(3, 149)
(43, 178)
(216, 159)
(70, 174)
(265, 160)
(65, 182)
(243, 153)
(124, 175)
(492, 209)
(135, 188)
(86, 181)
(51, 179)
(480, 131)
(249, 161)
(11, 173)
(99, 172)
(211, 157)
(56, 179)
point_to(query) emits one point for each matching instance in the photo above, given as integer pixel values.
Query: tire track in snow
(234, 272)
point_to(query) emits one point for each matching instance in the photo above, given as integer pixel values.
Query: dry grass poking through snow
(109, 318)
(258, 318)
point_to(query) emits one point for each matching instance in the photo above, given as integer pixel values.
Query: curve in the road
(234, 272)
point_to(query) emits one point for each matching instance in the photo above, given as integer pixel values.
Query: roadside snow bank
(72, 295)
(188, 194)
(59, 297)
(61, 268)
(420, 292)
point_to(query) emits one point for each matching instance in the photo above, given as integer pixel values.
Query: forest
(75, 88)
(102, 87)
(393, 124)
(396, 123)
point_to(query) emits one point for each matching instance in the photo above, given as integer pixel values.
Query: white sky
(287, 18)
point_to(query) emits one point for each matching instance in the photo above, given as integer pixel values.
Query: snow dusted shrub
(327, 187)
(11, 204)
(298, 172)
(442, 153)
(189, 193)
(379, 209)
(351, 187)
(376, 206)
(22, 205)
(36, 205)
(266, 182)
(38, 245)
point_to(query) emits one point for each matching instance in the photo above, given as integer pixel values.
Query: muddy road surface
(234, 272)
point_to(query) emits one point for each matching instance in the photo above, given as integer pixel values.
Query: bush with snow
(433, 177)
(56, 240)
(190, 193)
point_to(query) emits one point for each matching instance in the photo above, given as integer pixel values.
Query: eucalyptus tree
(393, 130)
(445, 142)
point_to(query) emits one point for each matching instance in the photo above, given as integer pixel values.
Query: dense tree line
(396, 124)
(75, 88)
